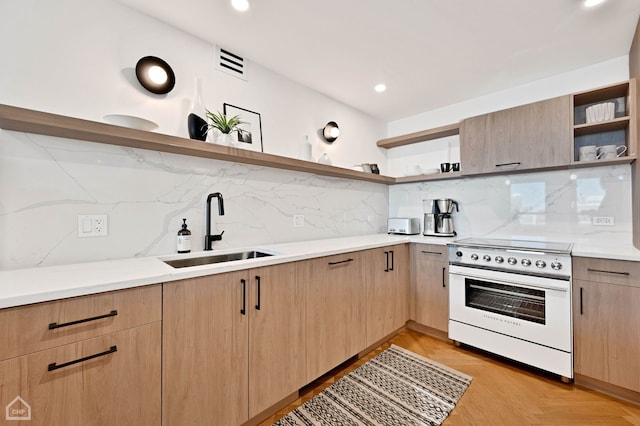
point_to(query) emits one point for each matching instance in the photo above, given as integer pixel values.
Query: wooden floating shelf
(597, 163)
(600, 127)
(430, 177)
(30, 121)
(422, 136)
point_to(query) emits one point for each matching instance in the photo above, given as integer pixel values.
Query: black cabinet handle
(386, 253)
(54, 366)
(443, 275)
(608, 272)
(258, 281)
(581, 311)
(432, 252)
(243, 311)
(515, 163)
(340, 262)
(55, 325)
(393, 260)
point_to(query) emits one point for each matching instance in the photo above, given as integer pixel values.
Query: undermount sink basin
(216, 258)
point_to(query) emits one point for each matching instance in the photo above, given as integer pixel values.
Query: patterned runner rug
(397, 387)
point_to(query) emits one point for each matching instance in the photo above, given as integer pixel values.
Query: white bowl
(600, 112)
(130, 122)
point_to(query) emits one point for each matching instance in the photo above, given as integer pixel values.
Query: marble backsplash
(46, 182)
(555, 205)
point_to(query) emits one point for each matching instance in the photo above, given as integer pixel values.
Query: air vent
(231, 63)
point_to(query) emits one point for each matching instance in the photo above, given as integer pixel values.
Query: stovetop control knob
(556, 266)
(499, 259)
(541, 263)
(459, 253)
(512, 261)
(486, 258)
(474, 256)
(526, 262)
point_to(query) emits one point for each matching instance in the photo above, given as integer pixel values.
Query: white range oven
(513, 298)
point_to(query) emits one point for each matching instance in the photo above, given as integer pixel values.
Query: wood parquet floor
(501, 393)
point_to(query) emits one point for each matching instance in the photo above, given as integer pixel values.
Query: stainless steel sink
(216, 258)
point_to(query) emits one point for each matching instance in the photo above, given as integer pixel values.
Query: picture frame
(250, 131)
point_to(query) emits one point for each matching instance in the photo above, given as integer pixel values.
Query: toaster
(403, 225)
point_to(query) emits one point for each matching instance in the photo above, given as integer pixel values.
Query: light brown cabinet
(335, 309)
(606, 321)
(532, 136)
(76, 365)
(233, 345)
(387, 290)
(430, 286)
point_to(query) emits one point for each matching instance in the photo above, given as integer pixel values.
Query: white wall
(557, 205)
(402, 161)
(77, 58)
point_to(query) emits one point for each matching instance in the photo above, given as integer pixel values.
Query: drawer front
(608, 271)
(109, 380)
(31, 328)
(433, 252)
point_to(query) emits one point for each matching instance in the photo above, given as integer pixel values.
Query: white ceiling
(429, 53)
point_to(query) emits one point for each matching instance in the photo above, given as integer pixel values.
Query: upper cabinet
(532, 136)
(602, 124)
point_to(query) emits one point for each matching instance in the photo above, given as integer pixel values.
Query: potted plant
(224, 124)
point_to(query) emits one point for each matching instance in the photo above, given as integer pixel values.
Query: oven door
(531, 308)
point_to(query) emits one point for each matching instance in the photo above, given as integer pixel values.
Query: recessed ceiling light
(592, 3)
(380, 88)
(240, 5)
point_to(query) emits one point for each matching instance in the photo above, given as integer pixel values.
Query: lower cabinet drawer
(30, 328)
(607, 271)
(109, 380)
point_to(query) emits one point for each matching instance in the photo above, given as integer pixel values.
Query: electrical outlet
(92, 225)
(602, 221)
(298, 221)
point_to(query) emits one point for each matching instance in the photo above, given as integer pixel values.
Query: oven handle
(540, 286)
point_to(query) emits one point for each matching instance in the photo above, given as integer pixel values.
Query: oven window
(512, 301)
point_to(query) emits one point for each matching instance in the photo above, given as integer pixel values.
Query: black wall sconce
(155, 75)
(330, 132)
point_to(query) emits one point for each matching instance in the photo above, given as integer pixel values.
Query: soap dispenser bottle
(184, 238)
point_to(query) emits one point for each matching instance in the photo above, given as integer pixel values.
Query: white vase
(304, 151)
(224, 139)
(197, 118)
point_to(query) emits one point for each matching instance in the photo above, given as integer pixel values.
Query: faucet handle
(217, 237)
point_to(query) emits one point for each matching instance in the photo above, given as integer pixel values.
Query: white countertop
(34, 285)
(614, 251)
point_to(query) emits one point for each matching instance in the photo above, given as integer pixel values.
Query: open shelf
(30, 121)
(422, 136)
(601, 127)
(628, 159)
(429, 177)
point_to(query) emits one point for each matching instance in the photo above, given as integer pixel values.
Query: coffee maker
(437, 217)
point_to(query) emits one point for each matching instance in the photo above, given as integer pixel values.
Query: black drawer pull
(54, 366)
(258, 281)
(386, 253)
(55, 325)
(626, 274)
(243, 311)
(340, 262)
(444, 273)
(581, 307)
(432, 252)
(393, 260)
(515, 163)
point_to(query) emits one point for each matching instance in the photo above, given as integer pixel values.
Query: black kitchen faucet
(208, 238)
